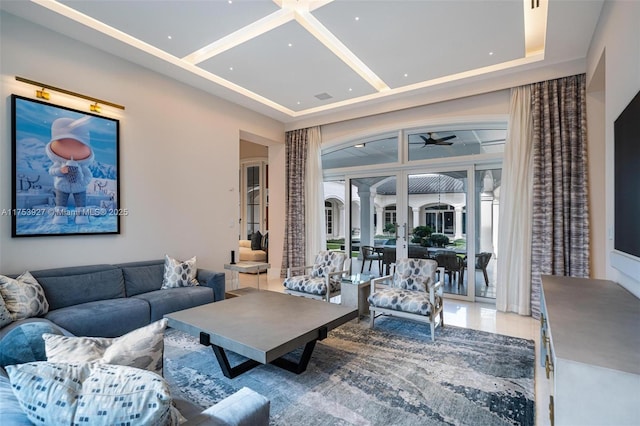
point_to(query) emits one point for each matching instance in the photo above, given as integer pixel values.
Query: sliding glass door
(437, 206)
(373, 223)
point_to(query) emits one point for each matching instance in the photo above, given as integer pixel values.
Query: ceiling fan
(430, 140)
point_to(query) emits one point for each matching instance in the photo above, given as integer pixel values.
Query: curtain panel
(514, 235)
(293, 253)
(316, 237)
(560, 214)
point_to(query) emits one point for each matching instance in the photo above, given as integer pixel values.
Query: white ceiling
(276, 56)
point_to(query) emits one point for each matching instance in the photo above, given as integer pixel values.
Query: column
(341, 222)
(380, 216)
(416, 216)
(457, 223)
(366, 216)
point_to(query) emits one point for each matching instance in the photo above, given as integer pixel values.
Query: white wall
(617, 39)
(179, 156)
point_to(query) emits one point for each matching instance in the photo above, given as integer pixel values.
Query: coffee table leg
(294, 367)
(301, 365)
(229, 371)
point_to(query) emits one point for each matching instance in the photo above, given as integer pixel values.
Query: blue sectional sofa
(111, 300)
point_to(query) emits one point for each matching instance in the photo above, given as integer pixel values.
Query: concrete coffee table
(262, 326)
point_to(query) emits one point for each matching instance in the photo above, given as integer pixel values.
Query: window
(364, 152)
(328, 217)
(253, 207)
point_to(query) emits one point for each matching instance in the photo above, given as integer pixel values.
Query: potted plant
(421, 234)
(439, 240)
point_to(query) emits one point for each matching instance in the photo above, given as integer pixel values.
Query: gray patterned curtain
(294, 254)
(560, 237)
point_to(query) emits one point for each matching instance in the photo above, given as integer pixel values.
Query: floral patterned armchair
(322, 279)
(410, 292)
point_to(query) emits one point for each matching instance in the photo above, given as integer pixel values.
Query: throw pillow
(25, 343)
(142, 348)
(179, 274)
(67, 394)
(23, 296)
(5, 315)
(256, 241)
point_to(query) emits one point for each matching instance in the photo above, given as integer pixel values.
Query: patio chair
(452, 264)
(322, 279)
(411, 292)
(371, 253)
(482, 261)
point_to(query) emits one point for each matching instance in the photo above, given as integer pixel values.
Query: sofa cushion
(142, 348)
(415, 302)
(23, 296)
(170, 300)
(75, 285)
(25, 343)
(103, 318)
(69, 394)
(144, 278)
(246, 254)
(179, 274)
(10, 410)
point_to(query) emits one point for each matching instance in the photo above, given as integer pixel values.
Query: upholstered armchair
(320, 280)
(411, 292)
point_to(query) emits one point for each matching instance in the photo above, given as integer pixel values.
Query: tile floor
(478, 316)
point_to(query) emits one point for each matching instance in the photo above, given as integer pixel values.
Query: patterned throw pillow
(5, 315)
(51, 393)
(326, 262)
(23, 296)
(142, 348)
(414, 274)
(179, 274)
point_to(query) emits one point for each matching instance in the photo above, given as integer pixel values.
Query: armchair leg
(372, 315)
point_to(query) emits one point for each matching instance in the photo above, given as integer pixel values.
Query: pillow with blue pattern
(57, 394)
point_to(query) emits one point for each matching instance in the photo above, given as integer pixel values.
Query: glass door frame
(348, 178)
(471, 211)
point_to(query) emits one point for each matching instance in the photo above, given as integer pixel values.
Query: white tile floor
(477, 316)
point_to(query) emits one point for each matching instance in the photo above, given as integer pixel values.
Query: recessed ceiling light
(169, 37)
(490, 53)
(230, 68)
(350, 89)
(290, 44)
(298, 102)
(406, 75)
(357, 18)
(230, 1)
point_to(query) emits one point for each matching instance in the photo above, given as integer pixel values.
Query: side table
(245, 267)
(354, 293)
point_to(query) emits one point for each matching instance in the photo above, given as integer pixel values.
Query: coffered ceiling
(293, 60)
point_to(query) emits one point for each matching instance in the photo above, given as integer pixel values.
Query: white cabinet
(590, 346)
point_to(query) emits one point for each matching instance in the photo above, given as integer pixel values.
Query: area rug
(391, 375)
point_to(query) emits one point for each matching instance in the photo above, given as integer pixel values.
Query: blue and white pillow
(179, 274)
(60, 393)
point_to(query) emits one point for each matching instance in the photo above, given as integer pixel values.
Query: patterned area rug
(392, 375)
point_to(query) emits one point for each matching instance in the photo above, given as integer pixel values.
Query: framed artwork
(65, 171)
